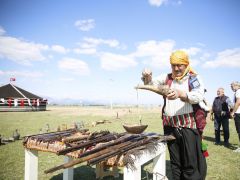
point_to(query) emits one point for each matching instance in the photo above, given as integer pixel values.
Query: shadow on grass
(208, 138)
(88, 173)
(212, 139)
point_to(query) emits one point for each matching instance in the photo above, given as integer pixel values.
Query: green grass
(222, 162)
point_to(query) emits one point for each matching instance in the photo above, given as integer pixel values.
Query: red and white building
(13, 98)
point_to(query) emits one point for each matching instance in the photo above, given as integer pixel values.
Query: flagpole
(111, 103)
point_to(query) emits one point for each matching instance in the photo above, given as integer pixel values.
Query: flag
(22, 103)
(9, 102)
(12, 79)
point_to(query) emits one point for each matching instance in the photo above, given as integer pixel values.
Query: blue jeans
(224, 122)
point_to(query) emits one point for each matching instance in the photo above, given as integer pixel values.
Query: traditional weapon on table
(76, 138)
(55, 133)
(139, 143)
(83, 159)
(121, 142)
(122, 139)
(160, 137)
(117, 147)
(161, 89)
(145, 141)
(118, 151)
(130, 156)
(105, 138)
(50, 136)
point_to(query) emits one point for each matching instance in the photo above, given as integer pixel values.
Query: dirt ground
(102, 111)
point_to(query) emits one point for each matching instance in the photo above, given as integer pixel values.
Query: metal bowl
(135, 128)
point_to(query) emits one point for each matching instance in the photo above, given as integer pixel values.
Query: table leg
(68, 173)
(31, 165)
(101, 172)
(159, 166)
(128, 174)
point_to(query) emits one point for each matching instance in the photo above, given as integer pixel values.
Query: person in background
(236, 109)
(204, 105)
(186, 157)
(221, 110)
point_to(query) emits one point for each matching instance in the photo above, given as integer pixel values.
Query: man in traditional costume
(186, 89)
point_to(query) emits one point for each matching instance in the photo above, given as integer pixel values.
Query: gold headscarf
(180, 57)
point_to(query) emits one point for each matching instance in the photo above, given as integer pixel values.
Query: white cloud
(94, 42)
(205, 56)
(24, 52)
(157, 2)
(89, 45)
(85, 25)
(192, 51)
(59, 49)
(113, 62)
(85, 51)
(179, 2)
(66, 79)
(27, 74)
(21, 51)
(74, 66)
(201, 44)
(226, 58)
(152, 48)
(157, 53)
(194, 62)
(2, 31)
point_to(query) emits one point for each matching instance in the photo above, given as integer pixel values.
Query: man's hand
(212, 116)
(175, 93)
(172, 94)
(231, 115)
(146, 76)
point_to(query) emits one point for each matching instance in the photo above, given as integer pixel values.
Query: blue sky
(96, 50)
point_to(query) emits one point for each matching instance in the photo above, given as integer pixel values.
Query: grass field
(222, 162)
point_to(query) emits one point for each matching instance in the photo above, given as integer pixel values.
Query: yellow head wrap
(180, 57)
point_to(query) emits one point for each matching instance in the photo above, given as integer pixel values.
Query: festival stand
(103, 149)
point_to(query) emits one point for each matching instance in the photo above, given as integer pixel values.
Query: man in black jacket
(221, 109)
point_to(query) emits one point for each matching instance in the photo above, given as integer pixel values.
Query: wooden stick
(49, 133)
(122, 139)
(118, 147)
(115, 152)
(73, 139)
(108, 137)
(86, 158)
(46, 137)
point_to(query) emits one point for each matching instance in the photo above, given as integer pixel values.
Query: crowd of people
(184, 116)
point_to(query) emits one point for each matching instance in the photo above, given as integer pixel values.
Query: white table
(158, 157)
(159, 164)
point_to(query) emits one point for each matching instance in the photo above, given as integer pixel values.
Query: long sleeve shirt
(237, 103)
(177, 106)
